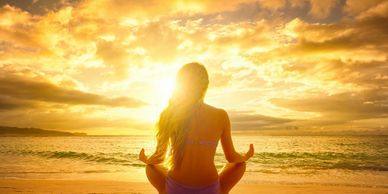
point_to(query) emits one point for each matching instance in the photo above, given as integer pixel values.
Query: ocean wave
(321, 161)
(268, 162)
(126, 159)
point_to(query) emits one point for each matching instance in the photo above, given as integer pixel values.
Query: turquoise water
(349, 160)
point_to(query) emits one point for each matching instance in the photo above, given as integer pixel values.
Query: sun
(163, 89)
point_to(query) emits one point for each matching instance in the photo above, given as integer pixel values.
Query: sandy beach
(95, 186)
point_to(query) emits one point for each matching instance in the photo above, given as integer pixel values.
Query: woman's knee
(234, 167)
(241, 166)
(150, 170)
(156, 177)
(231, 175)
(147, 167)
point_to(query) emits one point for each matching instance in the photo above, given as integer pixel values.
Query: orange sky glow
(277, 67)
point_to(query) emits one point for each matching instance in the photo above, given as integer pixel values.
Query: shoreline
(141, 187)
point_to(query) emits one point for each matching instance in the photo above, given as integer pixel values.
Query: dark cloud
(38, 7)
(252, 121)
(368, 34)
(63, 120)
(18, 88)
(9, 103)
(344, 106)
(369, 74)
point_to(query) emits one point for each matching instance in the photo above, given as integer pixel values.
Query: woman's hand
(250, 152)
(155, 158)
(142, 156)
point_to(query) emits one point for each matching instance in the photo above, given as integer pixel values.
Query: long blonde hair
(191, 84)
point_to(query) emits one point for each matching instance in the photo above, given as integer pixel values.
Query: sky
(279, 67)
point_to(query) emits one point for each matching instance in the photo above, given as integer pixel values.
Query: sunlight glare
(163, 90)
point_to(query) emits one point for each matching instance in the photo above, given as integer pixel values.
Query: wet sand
(102, 186)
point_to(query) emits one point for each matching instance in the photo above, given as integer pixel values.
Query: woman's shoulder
(216, 110)
(219, 116)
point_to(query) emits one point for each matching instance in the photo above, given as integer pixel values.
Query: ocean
(328, 160)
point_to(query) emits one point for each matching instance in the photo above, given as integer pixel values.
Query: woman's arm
(227, 144)
(156, 158)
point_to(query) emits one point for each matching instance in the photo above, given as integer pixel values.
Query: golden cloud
(265, 60)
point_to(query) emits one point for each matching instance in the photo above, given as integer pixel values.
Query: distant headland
(19, 132)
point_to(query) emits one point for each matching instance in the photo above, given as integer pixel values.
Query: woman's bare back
(197, 167)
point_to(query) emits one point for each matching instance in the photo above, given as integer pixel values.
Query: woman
(188, 132)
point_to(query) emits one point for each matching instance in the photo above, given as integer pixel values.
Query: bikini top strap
(202, 142)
